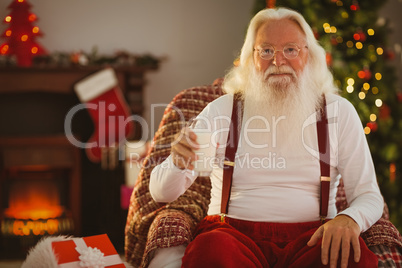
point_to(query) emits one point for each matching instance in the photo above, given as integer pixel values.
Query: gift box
(92, 252)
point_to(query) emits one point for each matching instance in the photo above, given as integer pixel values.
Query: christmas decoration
(75, 252)
(328, 57)
(399, 96)
(21, 34)
(111, 115)
(82, 58)
(92, 251)
(384, 112)
(270, 3)
(364, 74)
(358, 53)
(372, 125)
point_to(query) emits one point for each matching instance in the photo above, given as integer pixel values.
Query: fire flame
(34, 200)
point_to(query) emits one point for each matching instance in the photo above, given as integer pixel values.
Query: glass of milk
(203, 166)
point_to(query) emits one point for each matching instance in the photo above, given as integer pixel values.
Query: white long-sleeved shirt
(273, 181)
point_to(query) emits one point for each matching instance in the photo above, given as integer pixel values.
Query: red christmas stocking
(109, 111)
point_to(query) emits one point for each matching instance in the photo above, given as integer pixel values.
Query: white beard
(280, 105)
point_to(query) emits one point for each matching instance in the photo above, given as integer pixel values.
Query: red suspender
(324, 150)
(231, 148)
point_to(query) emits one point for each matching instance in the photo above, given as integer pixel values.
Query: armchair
(152, 225)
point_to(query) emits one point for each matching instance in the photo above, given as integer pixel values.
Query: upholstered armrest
(386, 242)
(170, 228)
(383, 232)
(382, 238)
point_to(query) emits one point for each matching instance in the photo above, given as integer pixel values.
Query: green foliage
(356, 41)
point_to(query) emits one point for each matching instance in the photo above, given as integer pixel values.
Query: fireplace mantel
(62, 79)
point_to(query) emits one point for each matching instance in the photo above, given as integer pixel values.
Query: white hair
(236, 79)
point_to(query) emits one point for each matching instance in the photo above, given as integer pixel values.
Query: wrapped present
(92, 252)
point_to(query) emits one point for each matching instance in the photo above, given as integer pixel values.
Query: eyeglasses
(290, 51)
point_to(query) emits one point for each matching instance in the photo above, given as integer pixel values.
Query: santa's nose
(279, 59)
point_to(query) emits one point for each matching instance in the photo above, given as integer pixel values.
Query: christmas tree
(21, 34)
(356, 41)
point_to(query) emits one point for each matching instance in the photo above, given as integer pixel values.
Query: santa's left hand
(337, 236)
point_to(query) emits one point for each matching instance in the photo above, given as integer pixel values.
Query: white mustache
(279, 70)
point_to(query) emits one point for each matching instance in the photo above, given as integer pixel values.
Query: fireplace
(33, 203)
(84, 199)
(40, 191)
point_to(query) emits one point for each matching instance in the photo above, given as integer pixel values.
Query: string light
(366, 86)
(362, 95)
(350, 83)
(35, 29)
(367, 130)
(375, 90)
(356, 36)
(32, 17)
(349, 44)
(378, 102)
(327, 27)
(359, 45)
(380, 51)
(24, 38)
(34, 50)
(345, 15)
(8, 33)
(361, 74)
(373, 117)
(4, 49)
(392, 172)
(378, 76)
(7, 19)
(370, 32)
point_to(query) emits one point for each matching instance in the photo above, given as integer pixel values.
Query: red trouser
(238, 243)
